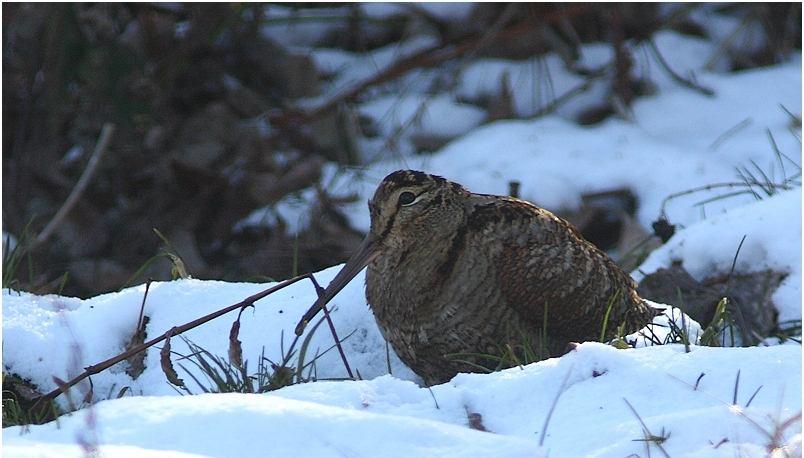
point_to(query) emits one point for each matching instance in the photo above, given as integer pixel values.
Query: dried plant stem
(320, 291)
(337, 341)
(89, 172)
(99, 367)
(649, 437)
(560, 100)
(710, 187)
(553, 406)
(676, 77)
(140, 324)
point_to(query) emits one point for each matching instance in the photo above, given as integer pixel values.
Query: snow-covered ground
(678, 139)
(388, 416)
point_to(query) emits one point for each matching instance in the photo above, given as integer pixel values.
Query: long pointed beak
(367, 251)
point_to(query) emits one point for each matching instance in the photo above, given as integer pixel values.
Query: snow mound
(52, 335)
(772, 230)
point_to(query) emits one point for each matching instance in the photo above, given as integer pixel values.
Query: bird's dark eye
(406, 198)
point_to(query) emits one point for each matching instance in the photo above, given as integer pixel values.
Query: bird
(466, 282)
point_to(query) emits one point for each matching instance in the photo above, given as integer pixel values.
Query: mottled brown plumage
(455, 279)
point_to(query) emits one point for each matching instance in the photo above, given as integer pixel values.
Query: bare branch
(89, 172)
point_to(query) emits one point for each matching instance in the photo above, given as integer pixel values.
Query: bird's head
(407, 207)
(411, 206)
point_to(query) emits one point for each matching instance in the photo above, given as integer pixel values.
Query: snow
(61, 335)
(668, 149)
(72, 155)
(676, 140)
(534, 83)
(772, 230)
(292, 211)
(381, 10)
(686, 56)
(413, 115)
(9, 241)
(698, 129)
(291, 27)
(661, 329)
(446, 11)
(272, 425)
(438, 115)
(351, 68)
(353, 418)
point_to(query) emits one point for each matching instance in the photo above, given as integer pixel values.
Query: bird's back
(545, 268)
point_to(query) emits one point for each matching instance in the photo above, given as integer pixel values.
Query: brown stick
(99, 367)
(320, 292)
(89, 172)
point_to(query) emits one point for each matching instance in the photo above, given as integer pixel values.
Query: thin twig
(728, 133)
(698, 381)
(434, 398)
(685, 333)
(89, 172)
(142, 307)
(499, 24)
(726, 42)
(779, 429)
(557, 102)
(676, 77)
(553, 406)
(320, 292)
(751, 399)
(649, 437)
(388, 358)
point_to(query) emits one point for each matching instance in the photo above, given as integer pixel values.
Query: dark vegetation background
(191, 155)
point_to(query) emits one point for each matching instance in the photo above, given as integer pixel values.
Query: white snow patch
(350, 68)
(533, 83)
(9, 242)
(404, 117)
(249, 425)
(292, 212)
(295, 27)
(447, 11)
